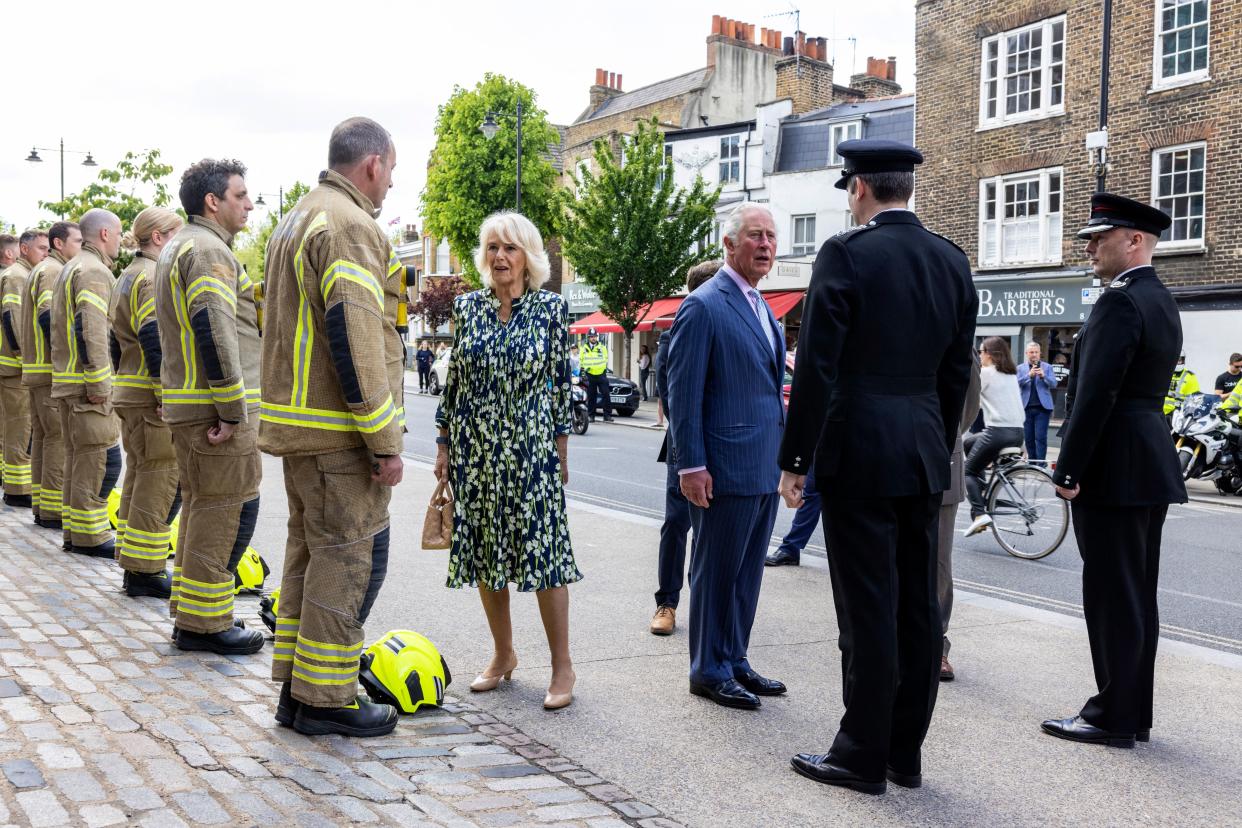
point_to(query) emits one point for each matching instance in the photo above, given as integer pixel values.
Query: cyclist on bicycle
(1004, 419)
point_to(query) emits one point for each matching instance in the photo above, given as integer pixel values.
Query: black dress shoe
(820, 767)
(905, 780)
(782, 557)
(233, 641)
(727, 693)
(287, 706)
(359, 718)
(107, 549)
(1143, 735)
(151, 585)
(18, 500)
(759, 685)
(1078, 730)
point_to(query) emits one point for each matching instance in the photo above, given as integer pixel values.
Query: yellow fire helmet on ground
(252, 570)
(405, 670)
(268, 607)
(114, 507)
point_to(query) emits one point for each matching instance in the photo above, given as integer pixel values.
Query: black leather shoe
(759, 685)
(359, 718)
(233, 641)
(727, 693)
(1143, 736)
(16, 500)
(782, 557)
(905, 780)
(151, 585)
(608, 419)
(287, 706)
(1077, 730)
(107, 549)
(820, 767)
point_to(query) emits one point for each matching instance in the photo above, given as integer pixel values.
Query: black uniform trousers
(672, 559)
(598, 391)
(1120, 548)
(882, 559)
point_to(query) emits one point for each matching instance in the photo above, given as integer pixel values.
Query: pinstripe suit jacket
(724, 380)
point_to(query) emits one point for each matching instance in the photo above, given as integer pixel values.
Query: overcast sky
(265, 81)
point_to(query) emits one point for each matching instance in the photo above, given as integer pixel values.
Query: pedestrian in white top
(1003, 419)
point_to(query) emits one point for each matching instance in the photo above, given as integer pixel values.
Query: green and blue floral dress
(505, 400)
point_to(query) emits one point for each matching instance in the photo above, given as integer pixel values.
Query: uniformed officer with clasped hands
(884, 362)
(1118, 468)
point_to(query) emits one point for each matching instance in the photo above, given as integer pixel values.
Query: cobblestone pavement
(104, 722)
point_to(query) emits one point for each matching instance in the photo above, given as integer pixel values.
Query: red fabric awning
(782, 302)
(598, 320)
(602, 323)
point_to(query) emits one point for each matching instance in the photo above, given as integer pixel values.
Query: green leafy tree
(435, 300)
(471, 176)
(135, 183)
(630, 231)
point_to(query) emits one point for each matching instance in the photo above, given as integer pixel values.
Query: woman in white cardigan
(1003, 417)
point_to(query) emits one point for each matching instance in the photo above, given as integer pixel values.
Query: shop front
(1048, 309)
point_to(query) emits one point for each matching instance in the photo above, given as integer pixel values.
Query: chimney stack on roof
(880, 79)
(728, 30)
(607, 85)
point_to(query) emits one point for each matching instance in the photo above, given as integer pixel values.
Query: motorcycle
(581, 414)
(1209, 444)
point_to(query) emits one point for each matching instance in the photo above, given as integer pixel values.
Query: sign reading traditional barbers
(1034, 300)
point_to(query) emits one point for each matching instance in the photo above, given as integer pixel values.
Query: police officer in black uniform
(1118, 468)
(884, 360)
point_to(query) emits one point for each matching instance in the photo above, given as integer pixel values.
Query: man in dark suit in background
(726, 364)
(883, 365)
(1118, 468)
(672, 561)
(947, 522)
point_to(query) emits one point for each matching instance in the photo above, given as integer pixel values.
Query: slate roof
(658, 91)
(552, 154)
(805, 139)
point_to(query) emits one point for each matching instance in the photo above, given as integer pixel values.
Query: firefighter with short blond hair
(14, 401)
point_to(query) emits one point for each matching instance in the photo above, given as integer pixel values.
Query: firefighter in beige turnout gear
(47, 446)
(82, 384)
(14, 401)
(209, 338)
(148, 493)
(332, 410)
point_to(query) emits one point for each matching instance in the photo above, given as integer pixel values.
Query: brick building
(1008, 93)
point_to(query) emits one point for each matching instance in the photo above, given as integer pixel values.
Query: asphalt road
(1201, 568)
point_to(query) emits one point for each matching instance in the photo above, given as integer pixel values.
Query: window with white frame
(1023, 75)
(730, 166)
(803, 235)
(1181, 41)
(1177, 184)
(1020, 219)
(841, 132)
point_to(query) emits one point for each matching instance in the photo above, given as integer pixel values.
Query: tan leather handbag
(438, 525)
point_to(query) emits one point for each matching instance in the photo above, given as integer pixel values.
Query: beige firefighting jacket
(81, 362)
(209, 333)
(12, 286)
(135, 336)
(332, 358)
(36, 301)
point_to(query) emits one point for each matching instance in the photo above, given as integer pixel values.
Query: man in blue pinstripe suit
(726, 364)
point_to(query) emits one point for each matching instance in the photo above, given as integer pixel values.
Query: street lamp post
(489, 127)
(259, 202)
(34, 158)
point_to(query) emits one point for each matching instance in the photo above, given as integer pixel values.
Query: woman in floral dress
(504, 423)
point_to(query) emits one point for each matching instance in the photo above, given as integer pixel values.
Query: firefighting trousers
(336, 557)
(92, 466)
(142, 531)
(15, 403)
(47, 454)
(219, 508)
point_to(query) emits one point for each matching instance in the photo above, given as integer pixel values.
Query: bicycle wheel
(1028, 519)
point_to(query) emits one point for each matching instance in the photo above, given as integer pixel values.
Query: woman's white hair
(733, 223)
(513, 228)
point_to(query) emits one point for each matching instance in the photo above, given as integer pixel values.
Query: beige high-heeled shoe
(555, 701)
(483, 682)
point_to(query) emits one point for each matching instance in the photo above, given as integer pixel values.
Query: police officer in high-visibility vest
(14, 400)
(332, 411)
(47, 445)
(593, 360)
(209, 343)
(1182, 385)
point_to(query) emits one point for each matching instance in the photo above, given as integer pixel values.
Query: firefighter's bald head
(102, 229)
(362, 151)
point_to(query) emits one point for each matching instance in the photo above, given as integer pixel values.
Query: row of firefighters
(168, 360)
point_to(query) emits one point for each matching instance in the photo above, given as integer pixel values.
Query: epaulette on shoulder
(946, 238)
(850, 232)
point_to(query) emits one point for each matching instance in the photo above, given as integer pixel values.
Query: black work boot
(151, 584)
(19, 500)
(237, 622)
(107, 549)
(233, 641)
(358, 718)
(287, 707)
(51, 523)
